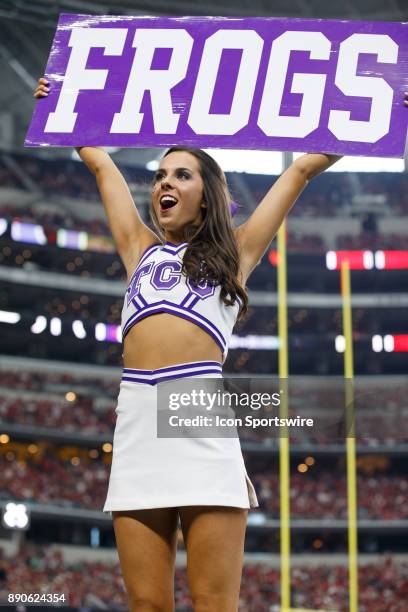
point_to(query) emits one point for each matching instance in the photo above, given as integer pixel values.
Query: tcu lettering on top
(270, 121)
(164, 276)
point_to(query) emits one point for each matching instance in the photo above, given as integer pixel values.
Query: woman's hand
(42, 88)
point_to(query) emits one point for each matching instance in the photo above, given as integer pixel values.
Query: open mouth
(167, 202)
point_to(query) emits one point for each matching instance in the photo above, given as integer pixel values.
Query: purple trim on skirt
(191, 369)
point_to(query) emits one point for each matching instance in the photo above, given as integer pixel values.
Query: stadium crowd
(85, 404)
(330, 194)
(51, 381)
(382, 585)
(59, 218)
(84, 417)
(297, 242)
(77, 478)
(90, 407)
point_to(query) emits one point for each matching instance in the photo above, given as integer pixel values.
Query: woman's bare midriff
(163, 339)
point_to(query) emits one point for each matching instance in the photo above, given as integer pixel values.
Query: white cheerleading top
(157, 285)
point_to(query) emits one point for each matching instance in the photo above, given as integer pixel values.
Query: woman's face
(177, 195)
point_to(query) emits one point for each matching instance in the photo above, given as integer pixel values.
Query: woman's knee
(139, 602)
(214, 602)
(146, 543)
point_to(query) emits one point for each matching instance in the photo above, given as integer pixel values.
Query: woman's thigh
(147, 544)
(214, 538)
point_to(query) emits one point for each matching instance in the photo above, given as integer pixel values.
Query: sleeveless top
(158, 285)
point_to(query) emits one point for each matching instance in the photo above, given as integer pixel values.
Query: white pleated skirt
(153, 472)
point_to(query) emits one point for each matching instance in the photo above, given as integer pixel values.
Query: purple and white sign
(240, 83)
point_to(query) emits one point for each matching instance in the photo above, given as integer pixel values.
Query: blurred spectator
(369, 224)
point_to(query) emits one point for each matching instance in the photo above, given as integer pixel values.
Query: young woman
(186, 290)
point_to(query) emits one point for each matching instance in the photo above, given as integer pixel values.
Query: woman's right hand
(42, 88)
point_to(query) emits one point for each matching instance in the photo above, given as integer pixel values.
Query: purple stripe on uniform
(193, 368)
(184, 314)
(193, 299)
(177, 373)
(204, 319)
(193, 303)
(139, 298)
(185, 300)
(144, 256)
(174, 308)
(138, 380)
(181, 366)
(176, 245)
(173, 250)
(173, 377)
(136, 304)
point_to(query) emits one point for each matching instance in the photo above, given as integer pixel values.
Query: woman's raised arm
(130, 234)
(255, 235)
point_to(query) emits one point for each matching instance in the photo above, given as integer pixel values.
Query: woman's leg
(147, 543)
(214, 537)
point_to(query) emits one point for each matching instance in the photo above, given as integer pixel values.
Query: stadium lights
(359, 260)
(39, 325)
(251, 162)
(55, 326)
(108, 332)
(9, 317)
(270, 162)
(95, 537)
(252, 341)
(256, 518)
(78, 329)
(65, 239)
(302, 468)
(152, 165)
(390, 343)
(365, 164)
(377, 343)
(391, 260)
(340, 344)
(71, 239)
(367, 260)
(16, 516)
(28, 232)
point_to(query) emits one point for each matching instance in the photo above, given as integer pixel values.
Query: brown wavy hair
(212, 251)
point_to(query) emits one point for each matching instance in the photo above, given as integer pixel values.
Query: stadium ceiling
(27, 29)
(48, 10)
